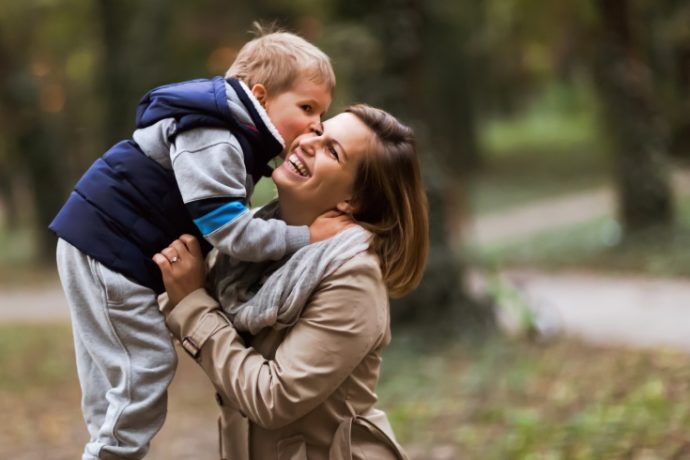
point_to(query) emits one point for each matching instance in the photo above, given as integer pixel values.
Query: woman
(305, 388)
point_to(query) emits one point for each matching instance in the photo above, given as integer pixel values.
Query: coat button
(219, 400)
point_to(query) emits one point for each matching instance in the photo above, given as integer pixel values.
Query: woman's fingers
(192, 245)
(332, 213)
(171, 253)
(180, 248)
(162, 262)
(186, 247)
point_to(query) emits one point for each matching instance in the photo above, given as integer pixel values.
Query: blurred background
(554, 318)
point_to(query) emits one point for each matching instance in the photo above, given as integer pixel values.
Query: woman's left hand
(182, 267)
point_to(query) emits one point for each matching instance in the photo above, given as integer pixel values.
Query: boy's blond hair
(277, 59)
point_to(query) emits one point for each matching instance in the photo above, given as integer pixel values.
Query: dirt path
(43, 301)
(599, 308)
(523, 221)
(603, 309)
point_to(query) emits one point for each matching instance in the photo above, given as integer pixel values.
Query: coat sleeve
(343, 322)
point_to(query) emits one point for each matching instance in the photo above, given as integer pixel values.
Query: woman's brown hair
(389, 200)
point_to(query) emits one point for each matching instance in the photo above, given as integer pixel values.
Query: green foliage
(264, 192)
(18, 247)
(551, 149)
(560, 118)
(509, 299)
(513, 400)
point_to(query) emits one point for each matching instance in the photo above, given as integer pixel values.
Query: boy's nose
(315, 126)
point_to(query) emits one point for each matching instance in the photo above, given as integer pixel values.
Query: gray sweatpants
(125, 357)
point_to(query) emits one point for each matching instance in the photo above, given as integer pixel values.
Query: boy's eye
(307, 108)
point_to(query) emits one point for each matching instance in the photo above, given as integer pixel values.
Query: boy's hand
(327, 225)
(182, 267)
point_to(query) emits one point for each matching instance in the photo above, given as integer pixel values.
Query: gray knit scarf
(256, 295)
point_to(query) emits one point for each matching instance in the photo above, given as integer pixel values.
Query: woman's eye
(334, 152)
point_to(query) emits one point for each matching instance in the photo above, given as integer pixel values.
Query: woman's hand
(328, 224)
(182, 267)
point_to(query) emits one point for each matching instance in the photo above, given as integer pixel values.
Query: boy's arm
(251, 239)
(211, 176)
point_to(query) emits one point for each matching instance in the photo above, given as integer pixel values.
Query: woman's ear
(345, 207)
(259, 92)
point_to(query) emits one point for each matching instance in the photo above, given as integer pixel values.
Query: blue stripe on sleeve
(215, 219)
(200, 208)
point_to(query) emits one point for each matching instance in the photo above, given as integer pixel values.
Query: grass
(534, 175)
(596, 244)
(503, 399)
(517, 400)
(17, 245)
(550, 148)
(20, 267)
(559, 117)
(32, 355)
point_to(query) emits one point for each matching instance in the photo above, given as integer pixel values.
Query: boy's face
(296, 111)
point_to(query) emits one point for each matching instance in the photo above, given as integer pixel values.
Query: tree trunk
(135, 49)
(637, 136)
(448, 81)
(441, 303)
(41, 149)
(680, 113)
(30, 133)
(115, 16)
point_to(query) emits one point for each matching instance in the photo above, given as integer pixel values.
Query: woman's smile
(296, 165)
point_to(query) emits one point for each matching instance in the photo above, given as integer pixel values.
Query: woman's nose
(308, 144)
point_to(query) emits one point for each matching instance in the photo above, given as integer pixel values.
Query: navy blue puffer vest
(127, 207)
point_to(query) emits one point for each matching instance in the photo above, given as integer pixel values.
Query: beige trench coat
(307, 392)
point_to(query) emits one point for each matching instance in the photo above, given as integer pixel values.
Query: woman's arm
(343, 322)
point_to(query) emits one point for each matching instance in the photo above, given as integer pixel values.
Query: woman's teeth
(297, 165)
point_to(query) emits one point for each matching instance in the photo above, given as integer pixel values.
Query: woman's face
(319, 170)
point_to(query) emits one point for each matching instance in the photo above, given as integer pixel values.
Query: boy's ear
(345, 207)
(259, 92)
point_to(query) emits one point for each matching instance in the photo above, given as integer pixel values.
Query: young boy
(190, 167)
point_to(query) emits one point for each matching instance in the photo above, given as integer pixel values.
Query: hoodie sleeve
(212, 179)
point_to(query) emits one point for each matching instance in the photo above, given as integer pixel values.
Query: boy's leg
(125, 357)
(93, 404)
